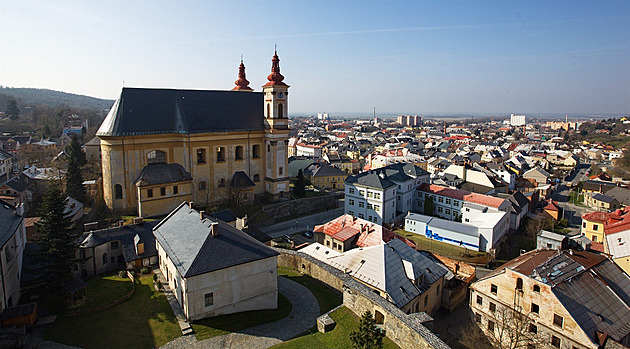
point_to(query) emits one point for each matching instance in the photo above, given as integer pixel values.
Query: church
(160, 147)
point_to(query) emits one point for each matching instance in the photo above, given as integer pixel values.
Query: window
(202, 185)
(112, 260)
(519, 284)
(377, 208)
(595, 227)
(351, 213)
(493, 307)
(447, 211)
(280, 170)
(256, 151)
(361, 215)
(268, 148)
(536, 288)
(175, 189)
(477, 317)
(377, 195)
(118, 191)
(426, 300)
(361, 192)
(594, 238)
(479, 300)
(256, 178)
(221, 182)
(455, 203)
(351, 191)
(220, 153)
(149, 193)
(113, 245)
(535, 308)
(493, 288)
(555, 341)
(583, 224)
(558, 320)
(238, 153)
(268, 110)
(156, 156)
(440, 199)
(448, 201)
(162, 191)
(490, 325)
(532, 328)
(361, 204)
(201, 156)
(370, 206)
(351, 202)
(280, 111)
(209, 299)
(104, 258)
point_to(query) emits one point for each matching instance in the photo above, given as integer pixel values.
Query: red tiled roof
(552, 206)
(461, 195)
(601, 217)
(367, 233)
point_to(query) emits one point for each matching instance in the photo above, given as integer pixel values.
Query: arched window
(256, 178)
(238, 153)
(256, 151)
(156, 156)
(104, 258)
(280, 111)
(268, 110)
(118, 191)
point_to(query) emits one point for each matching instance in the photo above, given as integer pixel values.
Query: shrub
(159, 284)
(144, 270)
(155, 278)
(122, 274)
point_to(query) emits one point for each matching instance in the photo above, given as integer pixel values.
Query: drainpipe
(4, 293)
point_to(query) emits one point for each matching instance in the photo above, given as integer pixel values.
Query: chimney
(214, 230)
(201, 214)
(190, 203)
(19, 210)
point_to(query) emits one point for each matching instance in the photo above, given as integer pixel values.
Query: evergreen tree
(46, 131)
(12, 110)
(74, 178)
(75, 152)
(57, 240)
(368, 335)
(428, 206)
(300, 183)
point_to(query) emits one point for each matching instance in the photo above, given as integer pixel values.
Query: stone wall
(407, 331)
(301, 206)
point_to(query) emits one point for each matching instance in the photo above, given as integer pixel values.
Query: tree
(368, 335)
(514, 330)
(46, 131)
(300, 183)
(428, 206)
(57, 240)
(74, 178)
(12, 110)
(75, 152)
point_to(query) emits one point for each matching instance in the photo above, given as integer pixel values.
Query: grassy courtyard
(326, 296)
(103, 290)
(346, 321)
(224, 324)
(445, 249)
(144, 321)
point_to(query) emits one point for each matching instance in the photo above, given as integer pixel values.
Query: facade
(385, 195)
(213, 268)
(327, 177)
(549, 240)
(211, 134)
(517, 120)
(593, 224)
(601, 202)
(617, 244)
(12, 244)
(409, 120)
(568, 299)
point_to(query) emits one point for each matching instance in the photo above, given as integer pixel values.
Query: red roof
(461, 195)
(552, 206)
(346, 227)
(600, 217)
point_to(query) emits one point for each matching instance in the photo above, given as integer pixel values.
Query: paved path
(184, 325)
(301, 224)
(303, 316)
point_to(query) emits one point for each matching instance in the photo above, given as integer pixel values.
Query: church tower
(241, 83)
(276, 131)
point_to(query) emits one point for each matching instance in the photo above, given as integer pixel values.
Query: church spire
(241, 83)
(275, 78)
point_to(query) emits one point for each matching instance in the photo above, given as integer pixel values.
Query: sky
(341, 57)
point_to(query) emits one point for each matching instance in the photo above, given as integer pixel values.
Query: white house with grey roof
(213, 268)
(12, 243)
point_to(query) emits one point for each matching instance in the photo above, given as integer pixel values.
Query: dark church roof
(159, 173)
(141, 111)
(241, 180)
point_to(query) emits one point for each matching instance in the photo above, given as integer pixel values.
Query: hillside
(35, 97)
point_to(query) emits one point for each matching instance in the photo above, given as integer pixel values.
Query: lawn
(144, 321)
(223, 324)
(445, 249)
(103, 290)
(327, 297)
(346, 321)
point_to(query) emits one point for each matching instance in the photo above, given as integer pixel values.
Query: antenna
(241, 58)
(275, 47)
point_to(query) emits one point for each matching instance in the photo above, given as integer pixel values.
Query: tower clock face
(280, 95)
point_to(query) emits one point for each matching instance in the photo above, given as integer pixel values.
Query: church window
(201, 156)
(221, 182)
(239, 153)
(280, 111)
(280, 170)
(256, 151)
(268, 110)
(221, 154)
(118, 191)
(202, 185)
(162, 191)
(256, 178)
(156, 156)
(175, 189)
(150, 193)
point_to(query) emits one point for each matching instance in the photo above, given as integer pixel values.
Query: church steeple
(241, 83)
(275, 78)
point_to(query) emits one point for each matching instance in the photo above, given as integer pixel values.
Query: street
(572, 213)
(301, 224)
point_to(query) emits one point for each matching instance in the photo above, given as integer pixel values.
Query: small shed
(22, 315)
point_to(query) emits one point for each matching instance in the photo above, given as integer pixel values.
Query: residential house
(161, 187)
(621, 194)
(593, 224)
(570, 299)
(12, 243)
(213, 268)
(537, 175)
(601, 202)
(93, 149)
(549, 240)
(324, 176)
(18, 190)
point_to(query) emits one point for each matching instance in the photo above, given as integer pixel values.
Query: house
(347, 232)
(213, 268)
(617, 244)
(12, 243)
(327, 177)
(18, 190)
(593, 224)
(569, 299)
(549, 240)
(161, 186)
(621, 194)
(74, 209)
(601, 202)
(552, 210)
(537, 175)
(409, 279)
(597, 186)
(93, 149)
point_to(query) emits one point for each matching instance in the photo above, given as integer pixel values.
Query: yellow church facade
(160, 147)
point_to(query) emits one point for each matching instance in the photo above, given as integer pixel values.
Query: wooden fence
(102, 307)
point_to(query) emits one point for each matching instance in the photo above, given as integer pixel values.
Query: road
(301, 224)
(572, 212)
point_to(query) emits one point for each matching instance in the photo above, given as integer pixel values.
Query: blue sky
(338, 56)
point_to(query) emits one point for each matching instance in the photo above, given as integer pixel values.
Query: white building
(517, 120)
(383, 195)
(213, 268)
(12, 243)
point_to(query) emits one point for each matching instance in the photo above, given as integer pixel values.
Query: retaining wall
(301, 206)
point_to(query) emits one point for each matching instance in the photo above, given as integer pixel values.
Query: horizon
(563, 57)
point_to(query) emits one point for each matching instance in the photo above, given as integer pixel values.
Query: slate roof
(241, 180)
(326, 170)
(461, 195)
(225, 215)
(621, 194)
(18, 184)
(9, 222)
(382, 178)
(603, 198)
(188, 241)
(126, 235)
(159, 173)
(140, 111)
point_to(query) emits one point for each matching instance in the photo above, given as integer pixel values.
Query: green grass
(327, 297)
(445, 249)
(346, 321)
(219, 325)
(144, 321)
(103, 290)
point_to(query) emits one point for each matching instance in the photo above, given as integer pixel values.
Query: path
(301, 224)
(303, 316)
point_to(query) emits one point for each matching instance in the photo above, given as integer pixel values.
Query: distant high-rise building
(322, 116)
(517, 120)
(410, 120)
